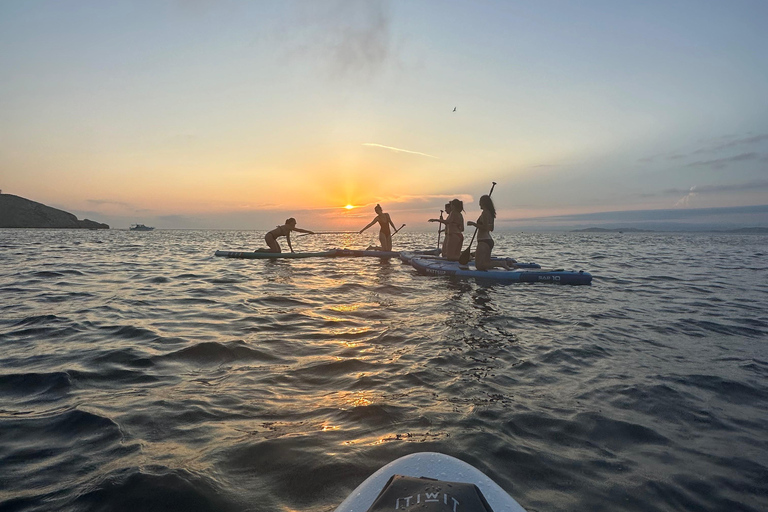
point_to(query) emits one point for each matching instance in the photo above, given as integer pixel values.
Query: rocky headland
(17, 212)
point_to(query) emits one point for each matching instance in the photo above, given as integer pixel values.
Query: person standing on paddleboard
(484, 227)
(454, 230)
(284, 230)
(385, 236)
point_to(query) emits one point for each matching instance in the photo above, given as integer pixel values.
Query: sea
(139, 372)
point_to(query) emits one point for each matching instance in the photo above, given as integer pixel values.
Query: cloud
(720, 163)
(107, 202)
(714, 146)
(350, 36)
(687, 200)
(730, 187)
(398, 150)
(696, 190)
(743, 141)
(665, 214)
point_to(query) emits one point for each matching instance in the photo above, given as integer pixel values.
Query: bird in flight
(454, 109)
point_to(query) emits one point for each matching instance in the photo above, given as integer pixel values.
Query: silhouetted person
(454, 230)
(284, 230)
(484, 227)
(445, 238)
(385, 236)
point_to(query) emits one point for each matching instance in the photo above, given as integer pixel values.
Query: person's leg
(452, 247)
(483, 255)
(385, 241)
(272, 243)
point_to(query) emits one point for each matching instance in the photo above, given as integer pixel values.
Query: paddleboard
(356, 253)
(433, 267)
(429, 482)
(407, 256)
(331, 253)
(272, 255)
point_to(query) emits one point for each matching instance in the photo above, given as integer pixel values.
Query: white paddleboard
(436, 492)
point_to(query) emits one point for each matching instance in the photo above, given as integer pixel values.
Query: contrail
(398, 150)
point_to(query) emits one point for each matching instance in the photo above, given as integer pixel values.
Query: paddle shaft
(398, 229)
(465, 255)
(439, 229)
(326, 233)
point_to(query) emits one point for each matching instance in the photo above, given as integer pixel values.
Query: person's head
(290, 222)
(457, 205)
(447, 207)
(487, 204)
(378, 209)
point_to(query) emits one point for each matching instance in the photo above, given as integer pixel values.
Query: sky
(236, 115)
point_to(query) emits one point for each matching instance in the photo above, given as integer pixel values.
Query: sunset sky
(221, 114)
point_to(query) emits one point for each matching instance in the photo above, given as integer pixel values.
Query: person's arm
(441, 221)
(369, 225)
(304, 231)
(288, 238)
(482, 222)
(391, 223)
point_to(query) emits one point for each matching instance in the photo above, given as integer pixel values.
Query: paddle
(439, 229)
(398, 229)
(326, 233)
(465, 256)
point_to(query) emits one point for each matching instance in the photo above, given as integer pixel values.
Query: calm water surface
(139, 372)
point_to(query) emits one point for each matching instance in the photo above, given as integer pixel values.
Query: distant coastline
(18, 212)
(743, 231)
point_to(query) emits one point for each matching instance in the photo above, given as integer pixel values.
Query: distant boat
(140, 227)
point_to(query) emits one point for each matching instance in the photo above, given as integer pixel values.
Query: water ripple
(142, 373)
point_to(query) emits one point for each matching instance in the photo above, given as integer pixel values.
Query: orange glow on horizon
(349, 207)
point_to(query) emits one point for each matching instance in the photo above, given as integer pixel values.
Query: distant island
(17, 212)
(737, 231)
(751, 231)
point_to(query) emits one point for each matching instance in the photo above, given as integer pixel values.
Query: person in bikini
(385, 235)
(484, 227)
(454, 227)
(284, 230)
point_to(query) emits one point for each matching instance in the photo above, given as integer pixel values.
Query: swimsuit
(384, 223)
(488, 241)
(280, 232)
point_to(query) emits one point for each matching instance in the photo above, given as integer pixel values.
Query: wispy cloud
(711, 147)
(742, 141)
(399, 150)
(728, 187)
(720, 163)
(687, 200)
(349, 36)
(107, 202)
(696, 190)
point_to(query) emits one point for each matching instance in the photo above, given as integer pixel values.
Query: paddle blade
(465, 256)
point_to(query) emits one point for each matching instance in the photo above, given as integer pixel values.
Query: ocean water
(140, 372)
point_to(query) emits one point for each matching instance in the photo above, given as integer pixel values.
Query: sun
(349, 207)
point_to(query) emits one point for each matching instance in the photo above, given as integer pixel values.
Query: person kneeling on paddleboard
(484, 227)
(284, 230)
(454, 230)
